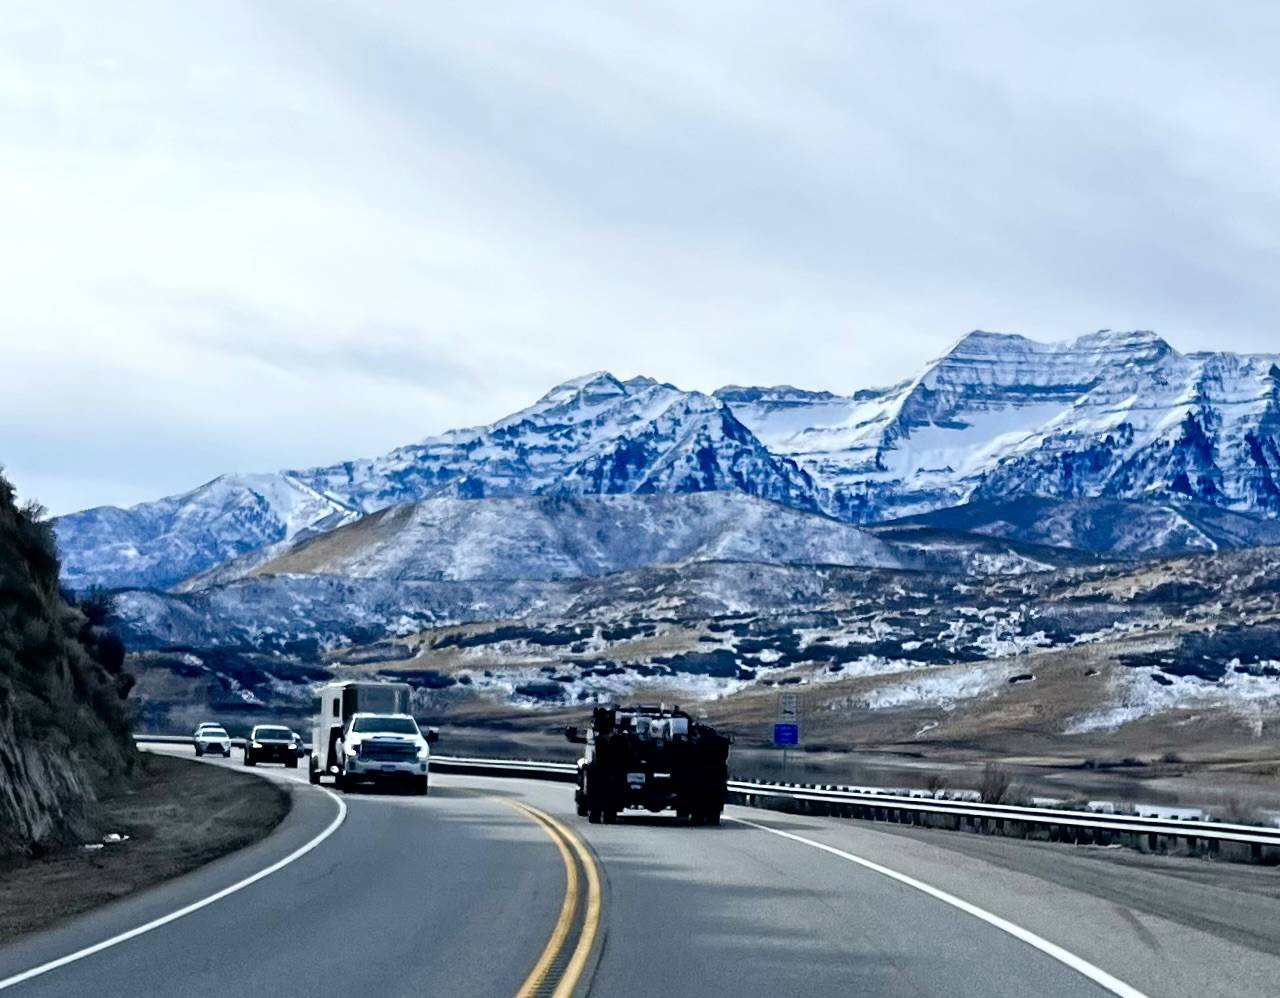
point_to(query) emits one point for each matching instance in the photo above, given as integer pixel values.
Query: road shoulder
(178, 816)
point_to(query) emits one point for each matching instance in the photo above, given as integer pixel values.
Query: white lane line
(1081, 966)
(173, 916)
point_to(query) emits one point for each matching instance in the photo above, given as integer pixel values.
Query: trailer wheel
(594, 815)
(713, 817)
(313, 775)
(611, 817)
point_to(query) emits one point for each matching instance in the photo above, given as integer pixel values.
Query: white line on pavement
(1081, 966)
(173, 916)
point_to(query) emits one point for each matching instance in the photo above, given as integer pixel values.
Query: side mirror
(432, 735)
(573, 734)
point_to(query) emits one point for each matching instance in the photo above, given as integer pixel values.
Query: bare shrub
(935, 784)
(1020, 795)
(996, 781)
(1240, 811)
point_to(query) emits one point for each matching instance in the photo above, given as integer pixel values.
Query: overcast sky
(273, 234)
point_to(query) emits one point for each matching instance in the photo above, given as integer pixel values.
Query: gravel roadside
(177, 816)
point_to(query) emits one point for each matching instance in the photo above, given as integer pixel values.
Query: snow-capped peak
(1117, 415)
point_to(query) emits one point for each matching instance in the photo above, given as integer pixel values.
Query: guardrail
(1076, 827)
(175, 740)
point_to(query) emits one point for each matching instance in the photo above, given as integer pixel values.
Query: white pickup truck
(364, 733)
(384, 748)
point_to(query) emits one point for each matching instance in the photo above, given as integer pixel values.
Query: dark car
(271, 743)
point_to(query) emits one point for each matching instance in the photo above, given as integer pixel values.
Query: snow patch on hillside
(941, 687)
(1136, 695)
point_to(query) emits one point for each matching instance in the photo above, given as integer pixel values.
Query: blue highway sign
(786, 734)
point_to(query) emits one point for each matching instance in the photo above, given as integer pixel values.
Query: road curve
(452, 894)
(459, 894)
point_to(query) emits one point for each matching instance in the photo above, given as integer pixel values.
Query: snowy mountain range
(1114, 415)
(1110, 415)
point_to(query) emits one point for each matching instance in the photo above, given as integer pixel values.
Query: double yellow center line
(552, 975)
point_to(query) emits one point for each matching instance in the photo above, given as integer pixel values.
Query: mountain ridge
(1114, 415)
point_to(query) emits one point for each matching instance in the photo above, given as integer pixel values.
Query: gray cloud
(288, 233)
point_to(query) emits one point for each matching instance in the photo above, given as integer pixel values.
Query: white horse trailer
(334, 706)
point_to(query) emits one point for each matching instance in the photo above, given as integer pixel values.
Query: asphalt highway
(494, 887)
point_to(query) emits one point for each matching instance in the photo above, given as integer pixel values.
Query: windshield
(213, 732)
(275, 734)
(390, 725)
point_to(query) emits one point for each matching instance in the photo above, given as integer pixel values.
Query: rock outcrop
(64, 734)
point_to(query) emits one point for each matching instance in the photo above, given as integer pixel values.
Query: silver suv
(212, 739)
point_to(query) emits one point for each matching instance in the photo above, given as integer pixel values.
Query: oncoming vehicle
(271, 743)
(651, 757)
(212, 739)
(364, 733)
(384, 748)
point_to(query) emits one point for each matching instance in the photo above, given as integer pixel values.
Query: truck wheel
(611, 817)
(248, 759)
(420, 787)
(713, 817)
(593, 816)
(340, 782)
(291, 764)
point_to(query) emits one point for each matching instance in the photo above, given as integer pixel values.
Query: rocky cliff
(64, 735)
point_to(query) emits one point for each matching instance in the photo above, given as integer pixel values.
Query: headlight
(350, 749)
(423, 751)
(257, 744)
